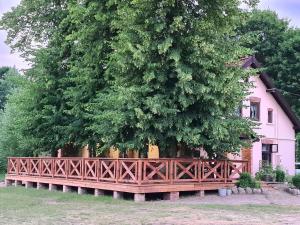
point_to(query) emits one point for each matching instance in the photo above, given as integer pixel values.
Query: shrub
(296, 181)
(266, 173)
(280, 175)
(247, 181)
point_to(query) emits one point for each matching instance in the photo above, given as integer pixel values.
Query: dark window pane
(254, 110)
(270, 116)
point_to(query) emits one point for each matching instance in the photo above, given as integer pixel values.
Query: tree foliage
(171, 83)
(130, 73)
(15, 139)
(5, 86)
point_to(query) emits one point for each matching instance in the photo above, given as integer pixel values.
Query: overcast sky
(289, 9)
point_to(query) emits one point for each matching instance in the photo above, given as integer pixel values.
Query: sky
(289, 9)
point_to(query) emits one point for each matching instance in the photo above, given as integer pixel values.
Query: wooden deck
(136, 176)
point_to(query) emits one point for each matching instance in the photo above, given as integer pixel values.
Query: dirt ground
(31, 206)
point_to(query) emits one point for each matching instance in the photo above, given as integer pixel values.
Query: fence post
(117, 169)
(67, 168)
(97, 169)
(83, 168)
(139, 172)
(53, 167)
(199, 170)
(40, 167)
(28, 167)
(171, 171)
(225, 170)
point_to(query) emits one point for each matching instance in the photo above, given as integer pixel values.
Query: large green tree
(130, 73)
(175, 79)
(73, 40)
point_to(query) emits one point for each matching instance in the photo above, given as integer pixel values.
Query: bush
(296, 181)
(247, 181)
(280, 175)
(266, 173)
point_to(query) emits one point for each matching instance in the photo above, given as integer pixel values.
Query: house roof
(252, 62)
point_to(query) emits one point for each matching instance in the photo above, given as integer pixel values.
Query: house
(278, 124)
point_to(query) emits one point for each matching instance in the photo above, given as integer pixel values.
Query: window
(267, 154)
(270, 115)
(254, 110)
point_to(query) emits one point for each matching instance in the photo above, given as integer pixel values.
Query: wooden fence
(134, 171)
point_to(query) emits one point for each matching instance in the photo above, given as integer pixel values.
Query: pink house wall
(279, 132)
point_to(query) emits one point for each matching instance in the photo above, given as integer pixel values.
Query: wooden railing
(134, 171)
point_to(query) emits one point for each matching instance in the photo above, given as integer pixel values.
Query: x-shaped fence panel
(90, 169)
(47, 167)
(34, 167)
(128, 171)
(235, 168)
(186, 170)
(75, 168)
(60, 168)
(155, 171)
(213, 171)
(108, 170)
(12, 166)
(24, 164)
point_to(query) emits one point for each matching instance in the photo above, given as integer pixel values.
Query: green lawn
(31, 206)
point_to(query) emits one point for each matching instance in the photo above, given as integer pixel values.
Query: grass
(31, 206)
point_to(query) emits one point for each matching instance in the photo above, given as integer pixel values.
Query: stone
(139, 197)
(117, 195)
(248, 190)
(66, 188)
(172, 196)
(28, 184)
(98, 192)
(256, 191)
(228, 192)
(200, 193)
(40, 186)
(18, 183)
(241, 190)
(295, 192)
(81, 190)
(52, 187)
(234, 190)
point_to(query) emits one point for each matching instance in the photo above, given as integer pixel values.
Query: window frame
(257, 104)
(270, 113)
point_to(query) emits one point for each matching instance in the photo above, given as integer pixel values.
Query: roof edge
(252, 62)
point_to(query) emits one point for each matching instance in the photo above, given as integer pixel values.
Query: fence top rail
(133, 159)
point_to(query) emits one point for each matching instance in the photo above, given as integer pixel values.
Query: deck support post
(52, 187)
(98, 192)
(28, 184)
(172, 196)
(8, 182)
(81, 190)
(139, 197)
(40, 186)
(18, 183)
(66, 189)
(118, 195)
(200, 193)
